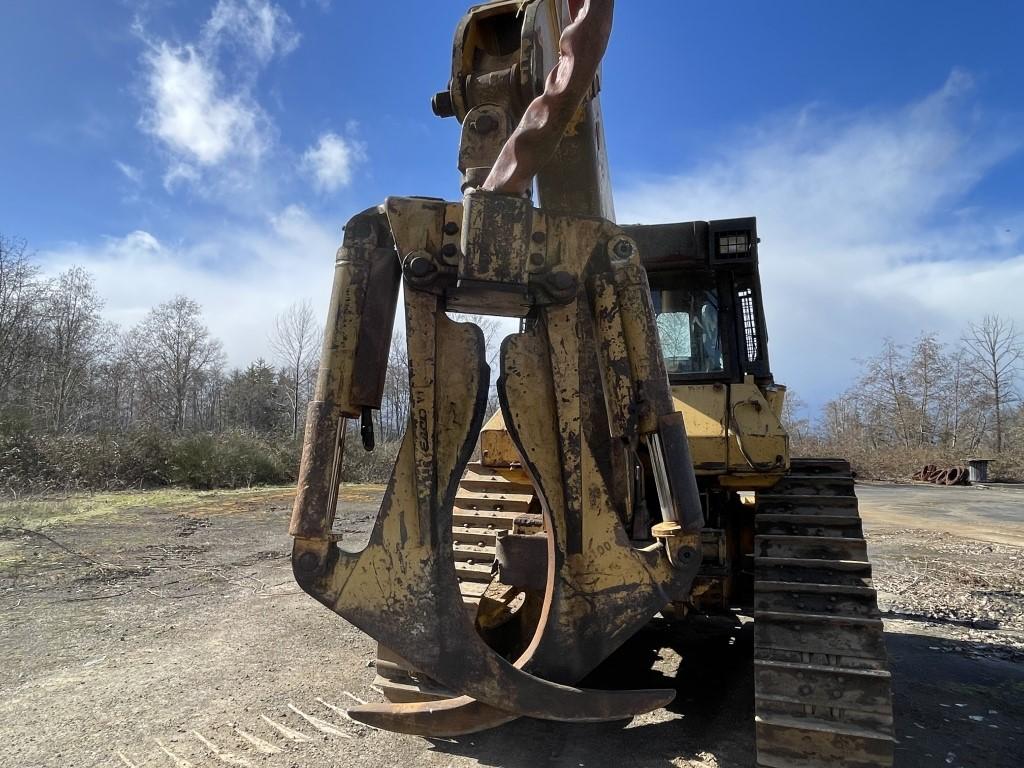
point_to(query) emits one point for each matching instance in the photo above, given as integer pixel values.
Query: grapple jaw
(566, 421)
(600, 590)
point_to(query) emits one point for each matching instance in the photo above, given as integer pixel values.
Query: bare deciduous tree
(296, 339)
(842, 421)
(394, 411)
(883, 389)
(20, 292)
(173, 353)
(926, 378)
(994, 354)
(964, 422)
(63, 369)
(75, 339)
(117, 385)
(794, 419)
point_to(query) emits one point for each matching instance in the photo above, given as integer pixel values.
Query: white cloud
(130, 172)
(199, 104)
(242, 278)
(330, 162)
(179, 173)
(256, 27)
(190, 114)
(863, 227)
(198, 97)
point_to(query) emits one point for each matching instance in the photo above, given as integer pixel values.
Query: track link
(489, 500)
(821, 680)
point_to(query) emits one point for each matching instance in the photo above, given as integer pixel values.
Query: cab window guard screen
(751, 335)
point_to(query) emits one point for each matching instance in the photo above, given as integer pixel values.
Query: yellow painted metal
(704, 408)
(620, 583)
(401, 587)
(617, 373)
(640, 331)
(758, 443)
(735, 432)
(722, 421)
(473, 43)
(496, 446)
(598, 585)
(726, 424)
(776, 397)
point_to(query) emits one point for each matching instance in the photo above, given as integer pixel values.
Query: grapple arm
(353, 363)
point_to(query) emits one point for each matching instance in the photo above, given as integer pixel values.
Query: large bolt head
(450, 254)
(442, 104)
(419, 266)
(622, 248)
(307, 562)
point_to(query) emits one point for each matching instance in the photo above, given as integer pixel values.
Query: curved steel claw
(401, 588)
(600, 590)
(439, 719)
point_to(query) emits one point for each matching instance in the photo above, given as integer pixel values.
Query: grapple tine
(449, 717)
(401, 588)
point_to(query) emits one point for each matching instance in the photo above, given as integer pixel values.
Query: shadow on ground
(954, 707)
(709, 665)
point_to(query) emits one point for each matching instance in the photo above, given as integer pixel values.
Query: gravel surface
(157, 631)
(973, 585)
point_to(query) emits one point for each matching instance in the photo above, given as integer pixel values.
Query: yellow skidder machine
(637, 465)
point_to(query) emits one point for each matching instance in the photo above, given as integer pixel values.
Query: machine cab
(706, 294)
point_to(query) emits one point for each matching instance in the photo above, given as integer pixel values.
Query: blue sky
(216, 147)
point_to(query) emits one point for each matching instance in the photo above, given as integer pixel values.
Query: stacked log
(930, 473)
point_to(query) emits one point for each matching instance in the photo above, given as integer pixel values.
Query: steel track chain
(821, 681)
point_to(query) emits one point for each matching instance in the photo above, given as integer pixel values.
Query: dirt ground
(164, 629)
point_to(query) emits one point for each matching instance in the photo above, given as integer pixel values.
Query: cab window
(688, 329)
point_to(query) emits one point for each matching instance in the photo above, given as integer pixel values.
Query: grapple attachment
(579, 386)
(571, 398)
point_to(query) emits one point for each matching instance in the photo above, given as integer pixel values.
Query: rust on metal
(593, 436)
(599, 590)
(534, 141)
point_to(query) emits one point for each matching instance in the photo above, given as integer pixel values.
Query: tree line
(86, 402)
(64, 369)
(927, 401)
(76, 389)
